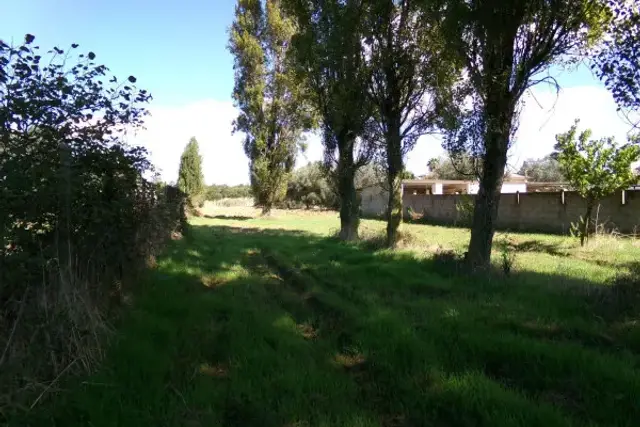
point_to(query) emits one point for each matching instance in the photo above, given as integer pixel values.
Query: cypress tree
(190, 178)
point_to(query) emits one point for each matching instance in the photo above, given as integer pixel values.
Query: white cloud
(224, 161)
(544, 115)
(168, 130)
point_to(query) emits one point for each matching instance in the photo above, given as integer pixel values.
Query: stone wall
(548, 212)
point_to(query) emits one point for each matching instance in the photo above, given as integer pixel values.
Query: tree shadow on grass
(230, 217)
(271, 327)
(554, 249)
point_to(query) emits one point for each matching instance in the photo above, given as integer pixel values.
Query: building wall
(521, 211)
(507, 187)
(513, 187)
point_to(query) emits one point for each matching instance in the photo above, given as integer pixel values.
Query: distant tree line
(217, 192)
(467, 168)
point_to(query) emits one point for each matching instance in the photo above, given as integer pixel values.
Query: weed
(507, 256)
(464, 211)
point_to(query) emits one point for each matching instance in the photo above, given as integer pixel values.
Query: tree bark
(349, 209)
(394, 180)
(266, 210)
(485, 212)
(584, 235)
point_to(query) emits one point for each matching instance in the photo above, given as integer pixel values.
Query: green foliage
(190, 177)
(309, 186)
(77, 216)
(546, 169)
(505, 47)
(464, 211)
(329, 56)
(268, 95)
(217, 192)
(617, 61)
(595, 168)
(507, 255)
(406, 174)
(371, 175)
(412, 74)
(461, 167)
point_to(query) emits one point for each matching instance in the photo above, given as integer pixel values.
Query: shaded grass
(247, 322)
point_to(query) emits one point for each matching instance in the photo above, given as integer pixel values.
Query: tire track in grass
(385, 376)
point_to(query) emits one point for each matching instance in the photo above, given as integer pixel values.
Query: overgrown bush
(309, 187)
(78, 218)
(464, 211)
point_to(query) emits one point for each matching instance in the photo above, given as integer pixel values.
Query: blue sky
(177, 50)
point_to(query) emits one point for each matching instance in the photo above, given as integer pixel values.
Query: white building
(514, 183)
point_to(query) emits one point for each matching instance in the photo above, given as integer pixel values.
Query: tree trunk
(485, 212)
(584, 235)
(349, 209)
(266, 210)
(394, 180)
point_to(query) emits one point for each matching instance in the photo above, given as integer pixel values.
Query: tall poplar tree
(329, 53)
(272, 113)
(190, 178)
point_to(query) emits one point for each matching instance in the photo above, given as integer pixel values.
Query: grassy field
(273, 322)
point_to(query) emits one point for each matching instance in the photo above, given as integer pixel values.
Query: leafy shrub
(507, 260)
(77, 216)
(464, 211)
(308, 187)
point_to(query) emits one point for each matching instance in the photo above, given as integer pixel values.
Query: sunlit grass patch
(271, 322)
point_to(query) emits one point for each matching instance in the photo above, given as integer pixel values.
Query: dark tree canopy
(412, 74)
(617, 61)
(330, 57)
(506, 46)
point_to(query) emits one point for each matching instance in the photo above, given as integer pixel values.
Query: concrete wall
(521, 211)
(373, 202)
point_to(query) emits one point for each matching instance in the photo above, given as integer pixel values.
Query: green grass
(272, 322)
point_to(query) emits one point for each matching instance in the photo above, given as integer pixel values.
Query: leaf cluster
(595, 168)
